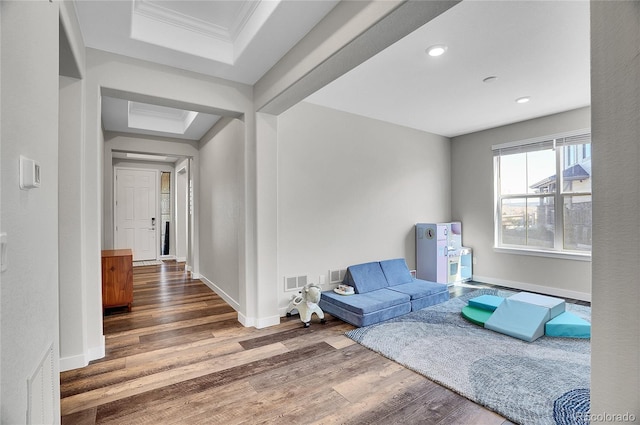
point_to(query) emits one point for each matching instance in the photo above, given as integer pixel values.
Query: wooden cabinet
(117, 278)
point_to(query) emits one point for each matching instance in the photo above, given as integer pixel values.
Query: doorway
(136, 212)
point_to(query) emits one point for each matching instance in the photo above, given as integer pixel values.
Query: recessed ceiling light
(523, 99)
(437, 50)
(490, 79)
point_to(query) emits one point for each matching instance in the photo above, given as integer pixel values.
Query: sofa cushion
(396, 271)
(366, 303)
(429, 300)
(365, 277)
(419, 288)
(364, 319)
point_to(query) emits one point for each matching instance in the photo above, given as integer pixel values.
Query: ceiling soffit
(145, 116)
(218, 31)
(133, 117)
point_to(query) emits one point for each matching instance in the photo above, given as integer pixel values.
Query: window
(543, 194)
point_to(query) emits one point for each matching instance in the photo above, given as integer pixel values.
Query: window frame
(559, 195)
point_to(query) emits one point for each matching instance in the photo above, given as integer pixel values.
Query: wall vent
(294, 283)
(336, 276)
(40, 391)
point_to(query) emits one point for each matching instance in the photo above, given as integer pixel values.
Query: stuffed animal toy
(306, 302)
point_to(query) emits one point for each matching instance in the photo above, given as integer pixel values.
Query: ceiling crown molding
(160, 24)
(161, 13)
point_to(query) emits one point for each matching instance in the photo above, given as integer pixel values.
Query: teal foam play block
(486, 302)
(519, 319)
(568, 325)
(556, 306)
(476, 315)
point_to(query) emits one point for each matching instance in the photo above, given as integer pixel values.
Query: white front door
(136, 212)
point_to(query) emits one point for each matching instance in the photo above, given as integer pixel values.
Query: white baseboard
(73, 362)
(258, 323)
(215, 288)
(181, 259)
(265, 322)
(247, 322)
(99, 352)
(524, 286)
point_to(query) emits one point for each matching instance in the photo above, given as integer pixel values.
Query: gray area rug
(540, 382)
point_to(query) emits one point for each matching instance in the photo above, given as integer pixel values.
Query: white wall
(72, 256)
(472, 203)
(350, 190)
(267, 220)
(29, 322)
(73, 340)
(615, 90)
(1, 228)
(182, 209)
(221, 208)
(72, 294)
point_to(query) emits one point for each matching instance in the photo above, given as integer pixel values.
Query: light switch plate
(29, 173)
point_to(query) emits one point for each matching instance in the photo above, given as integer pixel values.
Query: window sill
(578, 256)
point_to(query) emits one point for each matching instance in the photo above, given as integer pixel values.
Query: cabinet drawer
(117, 278)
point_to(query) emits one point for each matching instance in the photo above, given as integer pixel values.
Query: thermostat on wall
(29, 173)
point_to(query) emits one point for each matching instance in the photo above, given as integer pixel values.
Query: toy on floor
(526, 316)
(306, 303)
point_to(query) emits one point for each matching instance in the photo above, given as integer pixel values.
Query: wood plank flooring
(181, 357)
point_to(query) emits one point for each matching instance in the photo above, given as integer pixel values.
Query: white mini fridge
(440, 256)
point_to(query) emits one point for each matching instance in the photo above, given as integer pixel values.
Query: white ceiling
(534, 48)
(538, 49)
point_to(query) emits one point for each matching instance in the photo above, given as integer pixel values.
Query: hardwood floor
(181, 357)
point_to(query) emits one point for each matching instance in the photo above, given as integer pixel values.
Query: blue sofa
(383, 290)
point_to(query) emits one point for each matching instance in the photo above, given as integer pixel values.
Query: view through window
(543, 194)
